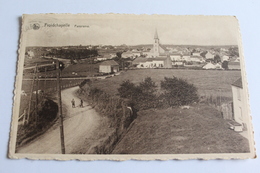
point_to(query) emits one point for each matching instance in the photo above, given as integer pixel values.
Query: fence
(28, 106)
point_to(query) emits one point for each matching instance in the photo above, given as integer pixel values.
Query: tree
(128, 90)
(203, 54)
(119, 54)
(142, 95)
(147, 96)
(177, 92)
(225, 65)
(217, 58)
(148, 85)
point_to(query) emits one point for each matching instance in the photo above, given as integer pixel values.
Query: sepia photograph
(121, 86)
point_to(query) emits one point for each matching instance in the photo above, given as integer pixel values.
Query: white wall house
(238, 103)
(209, 56)
(196, 53)
(224, 58)
(175, 57)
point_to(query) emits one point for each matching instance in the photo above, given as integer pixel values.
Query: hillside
(200, 129)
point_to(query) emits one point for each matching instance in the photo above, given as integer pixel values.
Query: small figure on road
(73, 103)
(81, 103)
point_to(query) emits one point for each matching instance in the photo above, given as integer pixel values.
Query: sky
(131, 30)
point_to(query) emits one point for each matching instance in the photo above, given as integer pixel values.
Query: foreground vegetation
(200, 129)
(38, 123)
(174, 92)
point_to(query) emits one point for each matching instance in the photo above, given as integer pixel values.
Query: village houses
(157, 57)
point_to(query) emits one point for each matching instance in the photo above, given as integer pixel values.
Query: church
(158, 50)
(157, 57)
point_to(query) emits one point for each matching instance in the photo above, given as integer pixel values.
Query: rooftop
(109, 62)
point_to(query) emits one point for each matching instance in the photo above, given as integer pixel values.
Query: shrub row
(174, 92)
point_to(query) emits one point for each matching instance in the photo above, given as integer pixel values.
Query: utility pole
(31, 95)
(45, 70)
(36, 94)
(60, 108)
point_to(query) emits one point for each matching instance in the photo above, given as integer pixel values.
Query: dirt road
(79, 124)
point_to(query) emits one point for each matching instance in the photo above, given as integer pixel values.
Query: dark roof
(139, 59)
(163, 47)
(109, 62)
(238, 83)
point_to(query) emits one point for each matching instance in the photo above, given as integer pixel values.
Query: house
(239, 110)
(131, 54)
(139, 60)
(175, 56)
(101, 58)
(224, 58)
(233, 65)
(209, 55)
(108, 66)
(209, 66)
(178, 63)
(198, 59)
(218, 66)
(196, 53)
(160, 62)
(186, 57)
(105, 57)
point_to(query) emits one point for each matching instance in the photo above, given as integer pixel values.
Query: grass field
(208, 82)
(200, 129)
(83, 69)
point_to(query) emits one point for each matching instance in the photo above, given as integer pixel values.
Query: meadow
(208, 82)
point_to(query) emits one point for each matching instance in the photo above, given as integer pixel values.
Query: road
(79, 124)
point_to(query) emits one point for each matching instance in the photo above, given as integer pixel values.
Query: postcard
(124, 86)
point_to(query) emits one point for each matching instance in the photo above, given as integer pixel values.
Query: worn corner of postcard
(120, 87)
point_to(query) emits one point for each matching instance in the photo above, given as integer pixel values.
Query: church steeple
(156, 45)
(156, 35)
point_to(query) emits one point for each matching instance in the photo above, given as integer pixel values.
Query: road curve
(79, 124)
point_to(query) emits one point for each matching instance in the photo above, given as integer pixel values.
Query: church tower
(156, 45)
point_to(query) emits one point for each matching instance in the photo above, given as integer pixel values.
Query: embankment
(38, 123)
(120, 113)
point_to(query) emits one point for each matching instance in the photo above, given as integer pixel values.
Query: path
(79, 124)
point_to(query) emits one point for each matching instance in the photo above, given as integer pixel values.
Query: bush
(142, 95)
(177, 92)
(129, 90)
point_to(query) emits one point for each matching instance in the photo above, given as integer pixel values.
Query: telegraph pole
(31, 95)
(45, 70)
(37, 96)
(60, 108)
